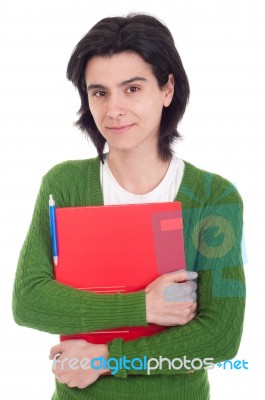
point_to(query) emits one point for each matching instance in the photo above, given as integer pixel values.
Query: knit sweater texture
(212, 218)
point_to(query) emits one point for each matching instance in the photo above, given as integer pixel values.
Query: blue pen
(53, 229)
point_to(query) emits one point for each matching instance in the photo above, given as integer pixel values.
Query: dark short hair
(151, 39)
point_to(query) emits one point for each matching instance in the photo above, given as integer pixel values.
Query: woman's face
(126, 101)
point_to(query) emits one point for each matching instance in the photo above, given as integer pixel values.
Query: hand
(171, 299)
(71, 362)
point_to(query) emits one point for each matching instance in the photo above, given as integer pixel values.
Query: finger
(55, 357)
(185, 299)
(191, 275)
(180, 276)
(188, 318)
(184, 288)
(187, 292)
(72, 384)
(62, 378)
(189, 286)
(183, 292)
(56, 350)
(192, 316)
(193, 297)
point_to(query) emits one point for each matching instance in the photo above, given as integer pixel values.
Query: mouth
(120, 129)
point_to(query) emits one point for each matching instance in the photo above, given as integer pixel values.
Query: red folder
(108, 249)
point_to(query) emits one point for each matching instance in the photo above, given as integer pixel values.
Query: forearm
(42, 303)
(70, 311)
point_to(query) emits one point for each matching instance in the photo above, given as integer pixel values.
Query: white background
(222, 47)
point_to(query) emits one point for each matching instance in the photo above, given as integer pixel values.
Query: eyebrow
(123, 83)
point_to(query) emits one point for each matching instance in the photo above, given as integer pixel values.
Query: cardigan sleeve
(42, 303)
(215, 234)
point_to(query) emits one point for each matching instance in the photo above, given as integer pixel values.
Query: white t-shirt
(166, 190)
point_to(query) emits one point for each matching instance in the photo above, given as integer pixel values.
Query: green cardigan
(212, 216)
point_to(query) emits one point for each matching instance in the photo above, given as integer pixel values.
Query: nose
(115, 106)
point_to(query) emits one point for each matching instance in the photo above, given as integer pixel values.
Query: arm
(170, 300)
(42, 303)
(216, 330)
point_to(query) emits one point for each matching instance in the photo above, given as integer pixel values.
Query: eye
(99, 93)
(132, 89)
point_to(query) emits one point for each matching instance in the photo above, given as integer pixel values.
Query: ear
(169, 90)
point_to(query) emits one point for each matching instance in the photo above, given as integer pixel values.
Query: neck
(137, 173)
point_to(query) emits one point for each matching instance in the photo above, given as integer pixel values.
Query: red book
(123, 248)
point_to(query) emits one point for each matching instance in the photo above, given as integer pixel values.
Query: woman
(134, 92)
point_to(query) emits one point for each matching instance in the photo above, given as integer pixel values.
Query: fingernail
(193, 274)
